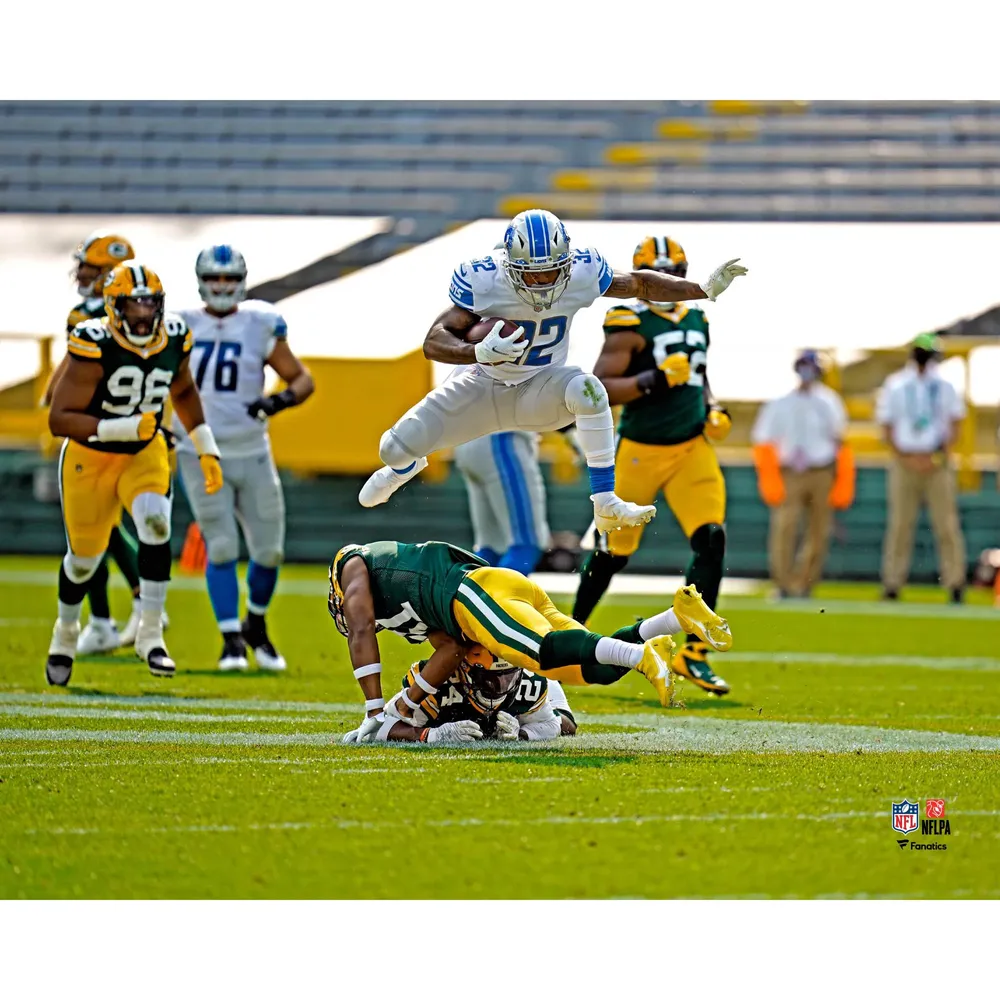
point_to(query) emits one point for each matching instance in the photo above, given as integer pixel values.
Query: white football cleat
(62, 649)
(617, 513)
(382, 484)
(127, 635)
(99, 636)
(149, 646)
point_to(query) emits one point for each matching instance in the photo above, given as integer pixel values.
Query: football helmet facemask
(139, 283)
(660, 253)
(222, 277)
(487, 682)
(537, 258)
(335, 597)
(101, 251)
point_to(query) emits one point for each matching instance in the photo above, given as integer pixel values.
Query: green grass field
(213, 785)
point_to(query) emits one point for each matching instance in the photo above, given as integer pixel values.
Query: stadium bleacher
(463, 160)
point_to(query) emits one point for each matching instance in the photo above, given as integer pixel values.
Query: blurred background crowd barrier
(863, 225)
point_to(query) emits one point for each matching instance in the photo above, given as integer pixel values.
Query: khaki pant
(907, 492)
(804, 491)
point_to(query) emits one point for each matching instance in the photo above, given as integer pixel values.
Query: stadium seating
(928, 160)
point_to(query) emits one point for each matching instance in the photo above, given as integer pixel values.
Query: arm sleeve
(460, 291)
(605, 275)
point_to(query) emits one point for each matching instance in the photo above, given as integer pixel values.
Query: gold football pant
(687, 473)
(509, 615)
(95, 485)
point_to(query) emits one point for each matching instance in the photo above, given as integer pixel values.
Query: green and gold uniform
(100, 477)
(452, 704)
(86, 309)
(661, 442)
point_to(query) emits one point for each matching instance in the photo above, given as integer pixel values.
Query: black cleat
(159, 662)
(234, 652)
(255, 635)
(58, 669)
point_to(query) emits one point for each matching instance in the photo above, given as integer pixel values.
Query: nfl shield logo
(905, 816)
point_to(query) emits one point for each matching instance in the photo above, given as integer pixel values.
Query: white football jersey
(482, 287)
(227, 362)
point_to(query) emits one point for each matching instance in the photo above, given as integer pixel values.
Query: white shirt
(227, 362)
(919, 408)
(482, 287)
(806, 426)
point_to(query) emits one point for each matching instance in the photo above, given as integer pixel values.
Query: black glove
(268, 406)
(652, 382)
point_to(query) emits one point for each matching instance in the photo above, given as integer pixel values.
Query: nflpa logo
(935, 808)
(935, 824)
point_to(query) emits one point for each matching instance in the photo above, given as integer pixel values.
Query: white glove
(507, 727)
(465, 731)
(494, 348)
(720, 279)
(365, 733)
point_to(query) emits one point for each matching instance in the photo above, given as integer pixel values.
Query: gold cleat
(697, 618)
(655, 667)
(691, 662)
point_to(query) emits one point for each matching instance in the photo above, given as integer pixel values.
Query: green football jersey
(413, 586)
(451, 704)
(135, 379)
(82, 311)
(678, 414)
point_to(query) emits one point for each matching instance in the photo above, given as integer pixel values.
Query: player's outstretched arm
(444, 341)
(71, 396)
(656, 287)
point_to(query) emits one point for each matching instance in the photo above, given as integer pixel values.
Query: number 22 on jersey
(226, 354)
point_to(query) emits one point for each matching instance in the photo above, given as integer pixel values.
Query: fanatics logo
(905, 816)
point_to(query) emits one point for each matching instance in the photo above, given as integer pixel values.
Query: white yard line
(153, 715)
(848, 660)
(476, 821)
(178, 702)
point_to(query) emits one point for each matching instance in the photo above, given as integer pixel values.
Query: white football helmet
(222, 277)
(537, 241)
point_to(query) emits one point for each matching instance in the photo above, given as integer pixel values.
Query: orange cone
(194, 556)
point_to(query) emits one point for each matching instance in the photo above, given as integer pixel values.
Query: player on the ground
(443, 594)
(483, 699)
(108, 403)
(654, 361)
(235, 339)
(95, 257)
(506, 498)
(521, 381)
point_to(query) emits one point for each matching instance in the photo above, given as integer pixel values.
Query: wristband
(284, 399)
(368, 670)
(383, 732)
(407, 700)
(373, 703)
(204, 440)
(424, 685)
(117, 429)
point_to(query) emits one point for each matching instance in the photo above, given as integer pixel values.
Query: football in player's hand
(481, 330)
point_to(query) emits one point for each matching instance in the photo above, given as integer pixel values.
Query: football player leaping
(443, 594)
(234, 340)
(108, 403)
(525, 383)
(483, 699)
(654, 361)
